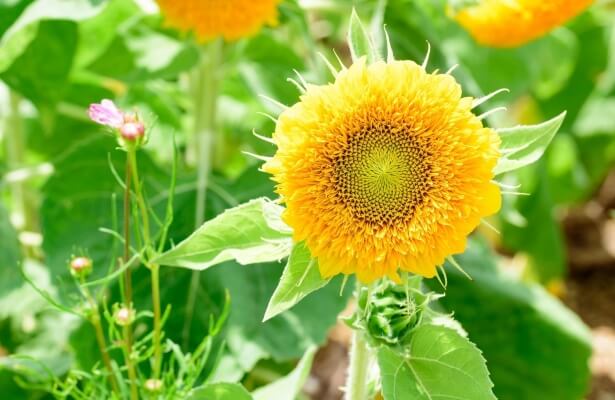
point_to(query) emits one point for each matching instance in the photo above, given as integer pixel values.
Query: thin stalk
(356, 385)
(127, 273)
(205, 95)
(154, 269)
(94, 319)
(132, 373)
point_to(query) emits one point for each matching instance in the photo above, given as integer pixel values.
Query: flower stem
(132, 373)
(356, 385)
(94, 319)
(102, 347)
(154, 269)
(127, 273)
(205, 94)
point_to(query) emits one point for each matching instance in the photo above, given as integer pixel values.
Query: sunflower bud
(80, 267)
(391, 312)
(123, 316)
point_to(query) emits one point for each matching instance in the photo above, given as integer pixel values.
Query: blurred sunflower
(231, 19)
(510, 23)
(385, 169)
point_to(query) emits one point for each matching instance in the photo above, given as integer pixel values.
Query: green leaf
(438, 363)
(525, 144)
(250, 233)
(526, 335)
(220, 391)
(359, 41)
(300, 278)
(290, 386)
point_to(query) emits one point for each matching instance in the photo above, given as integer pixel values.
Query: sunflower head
(208, 19)
(509, 23)
(385, 169)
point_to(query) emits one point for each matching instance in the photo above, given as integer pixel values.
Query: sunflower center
(382, 174)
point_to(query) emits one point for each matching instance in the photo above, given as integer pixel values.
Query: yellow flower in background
(231, 19)
(385, 169)
(510, 23)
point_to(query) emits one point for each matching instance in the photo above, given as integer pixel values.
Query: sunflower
(510, 23)
(231, 19)
(385, 169)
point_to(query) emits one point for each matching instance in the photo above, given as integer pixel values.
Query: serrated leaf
(525, 334)
(525, 144)
(220, 391)
(250, 233)
(300, 278)
(437, 364)
(290, 386)
(359, 41)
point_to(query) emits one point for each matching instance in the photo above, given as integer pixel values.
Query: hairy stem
(205, 93)
(356, 384)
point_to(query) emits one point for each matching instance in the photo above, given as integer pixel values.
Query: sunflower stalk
(205, 96)
(358, 368)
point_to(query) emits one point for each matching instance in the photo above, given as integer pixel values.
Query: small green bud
(80, 267)
(123, 316)
(153, 386)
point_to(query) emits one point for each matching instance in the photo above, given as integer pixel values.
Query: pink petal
(106, 113)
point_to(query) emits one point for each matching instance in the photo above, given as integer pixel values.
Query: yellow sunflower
(510, 23)
(231, 19)
(385, 169)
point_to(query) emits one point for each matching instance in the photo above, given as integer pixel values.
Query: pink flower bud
(132, 130)
(80, 267)
(106, 113)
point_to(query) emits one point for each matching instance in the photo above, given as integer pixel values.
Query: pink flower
(106, 113)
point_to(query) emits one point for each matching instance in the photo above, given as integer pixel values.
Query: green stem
(205, 95)
(127, 292)
(356, 385)
(154, 269)
(94, 319)
(132, 373)
(157, 320)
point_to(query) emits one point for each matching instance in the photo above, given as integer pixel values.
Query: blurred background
(555, 239)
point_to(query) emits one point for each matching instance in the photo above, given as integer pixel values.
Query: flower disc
(231, 19)
(509, 23)
(385, 169)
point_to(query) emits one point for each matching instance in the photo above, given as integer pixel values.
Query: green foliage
(525, 334)
(435, 355)
(523, 145)
(289, 386)
(300, 278)
(10, 255)
(250, 233)
(220, 391)
(359, 41)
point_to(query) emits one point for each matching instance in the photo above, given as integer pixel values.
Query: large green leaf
(523, 145)
(249, 233)
(220, 391)
(438, 363)
(290, 386)
(300, 278)
(535, 347)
